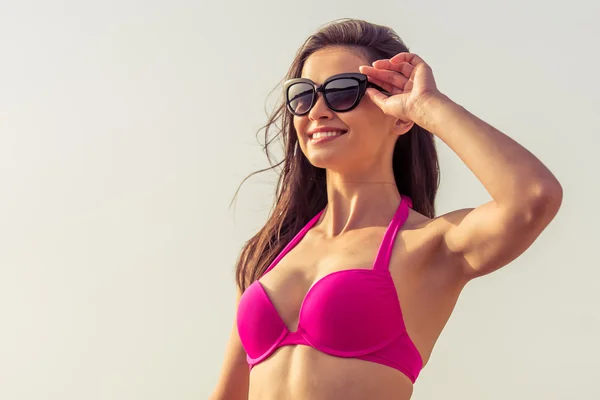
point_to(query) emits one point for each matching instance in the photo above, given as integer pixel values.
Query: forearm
(509, 172)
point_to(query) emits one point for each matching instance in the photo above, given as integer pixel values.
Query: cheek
(367, 125)
(369, 133)
(299, 123)
(300, 126)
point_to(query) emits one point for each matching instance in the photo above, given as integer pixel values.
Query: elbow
(544, 201)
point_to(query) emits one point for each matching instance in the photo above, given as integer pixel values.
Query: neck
(356, 201)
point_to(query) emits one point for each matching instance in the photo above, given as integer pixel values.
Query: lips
(326, 133)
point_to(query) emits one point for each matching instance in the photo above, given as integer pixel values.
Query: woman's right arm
(234, 378)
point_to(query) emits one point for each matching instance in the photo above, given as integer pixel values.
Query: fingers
(396, 75)
(404, 67)
(377, 97)
(385, 85)
(410, 58)
(391, 81)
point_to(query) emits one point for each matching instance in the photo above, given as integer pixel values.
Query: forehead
(331, 61)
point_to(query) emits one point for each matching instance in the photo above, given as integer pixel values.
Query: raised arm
(526, 196)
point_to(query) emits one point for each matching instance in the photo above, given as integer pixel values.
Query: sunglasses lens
(300, 97)
(342, 94)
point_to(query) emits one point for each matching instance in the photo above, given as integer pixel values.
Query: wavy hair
(301, 188)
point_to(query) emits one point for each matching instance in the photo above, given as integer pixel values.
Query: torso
(426, 285)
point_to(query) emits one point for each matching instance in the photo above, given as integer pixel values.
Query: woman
(345, 290)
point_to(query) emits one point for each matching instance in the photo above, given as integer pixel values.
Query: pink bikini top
(350, 313)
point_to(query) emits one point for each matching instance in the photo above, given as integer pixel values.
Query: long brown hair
(301, 189)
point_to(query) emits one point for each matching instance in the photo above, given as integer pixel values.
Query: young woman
(345, 290)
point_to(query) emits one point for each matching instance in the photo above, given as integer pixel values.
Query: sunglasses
(341, 92)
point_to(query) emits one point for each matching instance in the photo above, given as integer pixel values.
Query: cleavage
(289, 281)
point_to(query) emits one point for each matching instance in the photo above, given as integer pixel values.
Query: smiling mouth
(326, 135)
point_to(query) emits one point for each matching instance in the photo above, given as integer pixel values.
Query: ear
(401, 127)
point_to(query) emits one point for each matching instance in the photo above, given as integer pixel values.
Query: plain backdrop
(126, 127)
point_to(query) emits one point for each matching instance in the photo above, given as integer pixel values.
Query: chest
(314, 258)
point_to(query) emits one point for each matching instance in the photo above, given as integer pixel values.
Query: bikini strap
(382, 260)
(294, 241)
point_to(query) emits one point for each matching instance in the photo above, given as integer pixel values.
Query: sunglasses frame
(363, 84)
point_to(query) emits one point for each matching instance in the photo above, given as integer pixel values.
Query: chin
(326, 161)
(333, 155)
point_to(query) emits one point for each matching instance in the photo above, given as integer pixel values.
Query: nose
(320, 109)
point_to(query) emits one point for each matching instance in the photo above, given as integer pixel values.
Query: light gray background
(126, 127)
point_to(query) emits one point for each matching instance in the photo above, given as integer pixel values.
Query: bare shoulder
(421, 227)
(435, 228)
(424, 237)
(440, 224)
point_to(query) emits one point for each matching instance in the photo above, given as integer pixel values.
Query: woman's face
(369, 135)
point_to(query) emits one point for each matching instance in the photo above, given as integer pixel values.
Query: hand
(408, 78)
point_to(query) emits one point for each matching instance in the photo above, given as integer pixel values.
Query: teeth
(319, 135)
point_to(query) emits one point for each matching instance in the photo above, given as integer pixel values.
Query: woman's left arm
(526, 195)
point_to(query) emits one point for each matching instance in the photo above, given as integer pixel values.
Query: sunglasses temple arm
(382, 90)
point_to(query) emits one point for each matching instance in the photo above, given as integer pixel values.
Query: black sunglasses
(341, 92)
